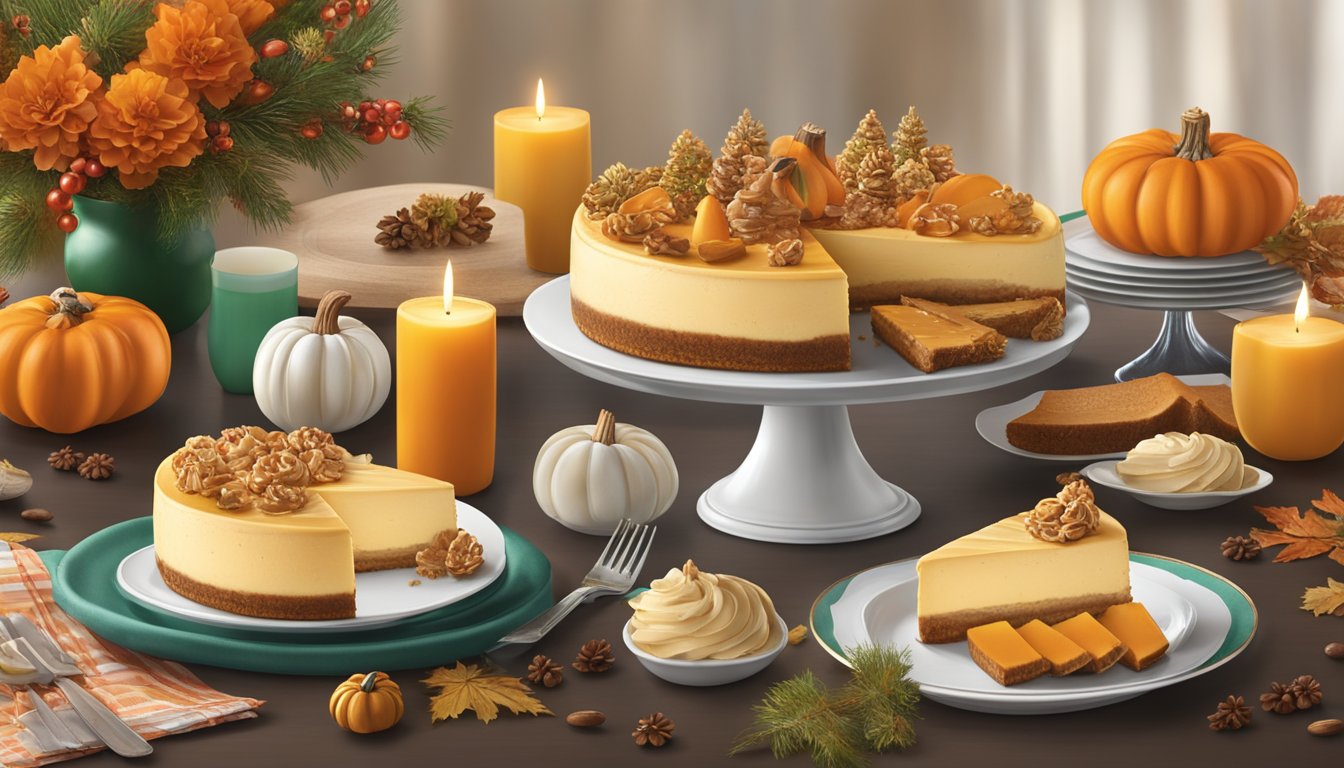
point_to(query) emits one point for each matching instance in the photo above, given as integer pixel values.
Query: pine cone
(1280, 700)
(98, 466)
(1306, 691)
(397, 231)
(758, 212)
(938, 159)
(544, 671)
(464, 555)
(1232, 714)
(654, 730)
(909, 137)
(616, 185)
(65, 459)
(911, 177)
(689, 163)
(746, 137)
(1241, 548)
(473, 220)
(436, 216)
(594, 656)
(869, 135)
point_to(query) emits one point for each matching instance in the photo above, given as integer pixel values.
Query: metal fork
(614, 573)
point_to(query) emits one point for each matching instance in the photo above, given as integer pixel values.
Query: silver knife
(105, 724)
(28, 629)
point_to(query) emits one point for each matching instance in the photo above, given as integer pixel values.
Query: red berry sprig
(312, 129)
(273, 48)
(22, 24)
(60, 199)
(376, 120)
(218, 133)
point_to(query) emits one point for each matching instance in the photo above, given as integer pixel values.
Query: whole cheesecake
(746, 315)
(1003, 573)
(299, 564)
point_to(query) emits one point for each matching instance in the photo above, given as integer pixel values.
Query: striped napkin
(157, 698)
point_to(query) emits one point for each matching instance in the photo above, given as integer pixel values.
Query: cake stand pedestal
(805, 480)
(1179, 349)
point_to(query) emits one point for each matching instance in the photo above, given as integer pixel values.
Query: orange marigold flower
(203, 45)
(47, 102)
(146, 122)
(252, 13)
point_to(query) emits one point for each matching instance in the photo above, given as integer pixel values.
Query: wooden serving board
(333, 238)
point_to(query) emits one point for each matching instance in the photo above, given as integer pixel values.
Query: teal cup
(252, 289)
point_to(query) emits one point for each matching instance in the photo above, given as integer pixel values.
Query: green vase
(115, 251)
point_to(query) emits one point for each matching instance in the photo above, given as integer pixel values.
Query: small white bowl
(1103, 473)
(704, 672)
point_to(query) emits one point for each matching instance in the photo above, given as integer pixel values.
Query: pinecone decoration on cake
(909, 137)
(616, 185)
(873, 200)
(544, 671)
(435, 215)
(746, 137)
(867, 136)
(1232, 715)
(594, 656)
(938, 159)
(689, 163)
(473, 220)
(653, 731)
(912, 177)
(397, 231)
(760, 212)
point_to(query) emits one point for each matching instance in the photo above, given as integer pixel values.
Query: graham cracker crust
(945, 292)
(1099, 665)
(387, 559)
(707, 350)
(951, 627)
(313, 608)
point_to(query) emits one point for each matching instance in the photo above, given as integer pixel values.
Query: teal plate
(84, 584)
(1240, 631)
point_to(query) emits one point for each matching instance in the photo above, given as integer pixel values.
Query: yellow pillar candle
(543, 162)
(1286, 371)
(446, 388)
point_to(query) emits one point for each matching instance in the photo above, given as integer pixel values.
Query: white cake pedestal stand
(805, 481)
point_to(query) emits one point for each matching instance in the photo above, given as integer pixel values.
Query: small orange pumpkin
(367, 703)
(1197, 194)
(71, 360)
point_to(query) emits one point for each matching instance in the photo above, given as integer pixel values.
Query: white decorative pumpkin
(328, 371)
(590, 477)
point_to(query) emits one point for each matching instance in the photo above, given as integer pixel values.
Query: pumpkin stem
(604, 431)
(813, 137)
(1194, 144)
(68, 310)
(329, 308)
(366, 685)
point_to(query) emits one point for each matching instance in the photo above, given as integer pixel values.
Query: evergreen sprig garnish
(874, 711)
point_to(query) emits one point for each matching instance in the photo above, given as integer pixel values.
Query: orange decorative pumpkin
(72, 361)
(367, 703)
(1196, 194)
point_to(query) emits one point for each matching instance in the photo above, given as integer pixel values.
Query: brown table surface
(929, 447)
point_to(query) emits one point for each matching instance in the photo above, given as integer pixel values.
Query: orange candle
(446, 388)
(1286, 371)
(543, 162)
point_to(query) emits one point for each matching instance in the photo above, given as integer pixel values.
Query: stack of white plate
(1101, 272)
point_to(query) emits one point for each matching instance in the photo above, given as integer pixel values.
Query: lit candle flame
(1303, 309)
(448, 288)
(541, 99)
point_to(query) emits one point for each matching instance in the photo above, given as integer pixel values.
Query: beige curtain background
(1027, 90)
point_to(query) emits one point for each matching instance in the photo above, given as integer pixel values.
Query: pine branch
(882, 696)
(26, 226)
(429, 125)
(797, 715)
(115, 31)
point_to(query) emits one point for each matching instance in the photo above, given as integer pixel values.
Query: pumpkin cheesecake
(932, 339)
(1024, 567)
(259, 543)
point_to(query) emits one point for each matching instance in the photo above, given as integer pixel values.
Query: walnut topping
(761, 212)
(1067, 516)
(935, 220)
(248, 466)
(785, 253)
(633, 227)
(660, 243)
(1017, 219)
(451, 551)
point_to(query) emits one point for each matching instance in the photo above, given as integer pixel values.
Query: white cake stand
(805, 481)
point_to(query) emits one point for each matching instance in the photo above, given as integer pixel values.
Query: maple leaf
(16, 538)
(1305, 534)
(466, 686)
(1323, 600)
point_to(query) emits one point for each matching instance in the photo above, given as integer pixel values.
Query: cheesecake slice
(1039, 319)
(1005, 655)
(933, 339)
(1002, 573)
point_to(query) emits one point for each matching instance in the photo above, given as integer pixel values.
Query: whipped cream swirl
(690, 614)
(1178, 463)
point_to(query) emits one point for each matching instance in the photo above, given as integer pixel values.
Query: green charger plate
(84, 582)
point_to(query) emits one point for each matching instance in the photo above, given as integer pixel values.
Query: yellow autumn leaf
(16, 538)
(466, 686)
(1323, 600)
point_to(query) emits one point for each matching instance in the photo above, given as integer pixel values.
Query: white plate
(1125, 299)
(1200, 292)
(879, 606)
(1103, 473)
(1176, 282)
(1089, 245)
(992, 423)
(381, 597)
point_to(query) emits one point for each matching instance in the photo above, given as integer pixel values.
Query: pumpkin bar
(1064, 655)
(1134, 626)
(933, 340)
(1004, 655)
(1038, 319)
(1104, 648)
